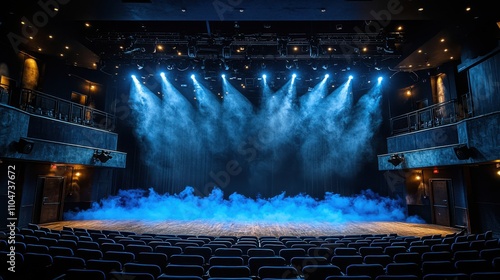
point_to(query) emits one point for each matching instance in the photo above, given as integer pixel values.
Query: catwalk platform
(257, 228)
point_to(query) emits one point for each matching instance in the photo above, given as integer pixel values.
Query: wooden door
(51, 199)
(440, 204)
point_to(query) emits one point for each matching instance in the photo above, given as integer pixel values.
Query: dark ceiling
(394, 35)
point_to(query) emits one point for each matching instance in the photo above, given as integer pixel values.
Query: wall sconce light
(396, 159)
(102, 156)
(498, 168)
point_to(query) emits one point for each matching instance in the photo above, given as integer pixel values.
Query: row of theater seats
(74, 253)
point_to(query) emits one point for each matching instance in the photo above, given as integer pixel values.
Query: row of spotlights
(263, 76)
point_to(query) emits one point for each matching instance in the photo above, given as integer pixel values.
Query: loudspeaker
(462, 152)
(25, 146)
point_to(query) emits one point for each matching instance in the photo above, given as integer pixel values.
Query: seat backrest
(227, 261)
(88, 254)
(278, 272)
(345, 251)
(184, 270)
(372, 270)
(370, 250)
(320, 272)
(289, 253)
(344, 261)
(229, 271)
(254, 263)
(168, 250)
(122, 257)
(187, 259)
(260, 252)
(85, 274)
(106, 266)
(436, 256)
(403, 269)
(131, 275)
(432, 267)
(228, 252)
(471, 266)
(377, 259)
(446, 276)
(152, 269)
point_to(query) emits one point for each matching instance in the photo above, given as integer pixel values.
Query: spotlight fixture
(102, 156)
(462, 152)
(396, 159)
(24, 146)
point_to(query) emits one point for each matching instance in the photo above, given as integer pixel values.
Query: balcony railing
(432, 116)
(53, 107)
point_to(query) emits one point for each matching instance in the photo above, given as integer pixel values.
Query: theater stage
(257, 228)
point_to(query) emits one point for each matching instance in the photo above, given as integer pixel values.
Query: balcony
(433, 116)
(42, 104)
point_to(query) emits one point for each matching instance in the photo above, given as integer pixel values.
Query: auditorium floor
(256, 228)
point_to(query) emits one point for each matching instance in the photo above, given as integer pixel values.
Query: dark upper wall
(485, 85)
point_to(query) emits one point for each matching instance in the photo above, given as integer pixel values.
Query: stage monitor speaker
(462, 152)
(25, 146)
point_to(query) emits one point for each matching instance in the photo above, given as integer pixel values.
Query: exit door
(440, 198)
(51, 199)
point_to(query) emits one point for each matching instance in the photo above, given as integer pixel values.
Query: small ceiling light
(330, 49)
(400, 28)
(61, 54)
(23, 23)
(467, 9)
(408, 92)
(87, 24)
(442, 40)
(365, 49)
(159, 47)
(241, 10)
(31, 37)
(323, 10)
(419, 51)
(295, 48)
(420, 9)
(94, 64)
(77, 174)
(183, 10)
(51, 37)
(56, 9)
(451, 57)
(179, 53)
(418, 177)
(445, 50)
(39, 49)
(66, 47)
(116, 66)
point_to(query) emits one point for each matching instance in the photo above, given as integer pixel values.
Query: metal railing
(53, 107)
(432, 116)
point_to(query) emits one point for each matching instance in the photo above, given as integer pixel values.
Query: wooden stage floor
(257, 228)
